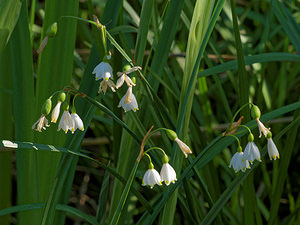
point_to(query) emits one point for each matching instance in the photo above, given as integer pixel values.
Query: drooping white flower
(55, 112)
(168, 174)
(128, 101)
(184, 148)
(104, 84)
(151, 178)
(42, 123)
(65, 122)
(272, 149)
(262, 128)
(103, 71)
(125, 78)
(77, 122)
(252, 152)
(239, 163)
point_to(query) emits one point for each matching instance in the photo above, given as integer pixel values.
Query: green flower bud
(51, 31)
(133, 80)
(151, 166)
(250, 137)
(126, 67)
(255, 112)
(171, 134)
(61, 96)
(65, 106)
(46, 108)
(239, 149)
(269, 135)
(165, 159)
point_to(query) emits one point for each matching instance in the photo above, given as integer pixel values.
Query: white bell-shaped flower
(77, 122)
(151, 177)
(168, 174)
(128, 101)
(252, 152)
(239, 163)
(65, 122)
(103, 71)
(55, 112)
(272, 149)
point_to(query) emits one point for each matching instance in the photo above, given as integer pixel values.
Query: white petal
(55, 112)
(129, 82)
(120, 81)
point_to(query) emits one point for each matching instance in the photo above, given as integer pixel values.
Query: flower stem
(158, 148)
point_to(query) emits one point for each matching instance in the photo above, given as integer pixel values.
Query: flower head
(168, 174)
(42, 122)
(103, 71)
(128, 101)
(262, 128)
(104, 84)
(184, 148)
(124, 77)
(55, 112)
(272, 149)
(77, 122)
(66, 122)
(151, 177)
(239, 163)
(251, 151)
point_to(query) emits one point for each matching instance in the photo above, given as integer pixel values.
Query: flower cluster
(104, 71)
(67, 122)
(167, 174)
(242, 160)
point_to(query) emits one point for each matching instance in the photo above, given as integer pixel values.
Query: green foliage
(201, 62)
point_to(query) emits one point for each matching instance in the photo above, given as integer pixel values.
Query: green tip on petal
(167, 182)
(106, 78)
(243, 159)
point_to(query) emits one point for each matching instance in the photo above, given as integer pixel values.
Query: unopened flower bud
(46, 108)
(171, 134)
(51, 32)
(255, 112)
(133, 80)
(61, 96)
(126, 67)
(250, 137)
